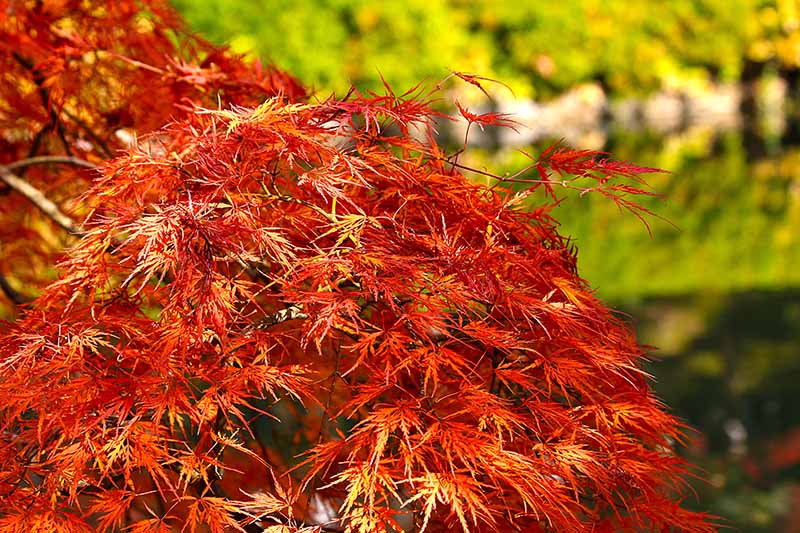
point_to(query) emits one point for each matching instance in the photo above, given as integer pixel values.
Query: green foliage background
(540, 48)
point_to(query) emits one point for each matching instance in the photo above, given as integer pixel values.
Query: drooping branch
(37, 198)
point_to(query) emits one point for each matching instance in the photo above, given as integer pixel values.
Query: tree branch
(37, 198)
(47, 159)
(11, 293)
(289, 313)
(44, 94)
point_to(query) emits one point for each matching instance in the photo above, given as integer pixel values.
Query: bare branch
(37, 198)
(47, 159)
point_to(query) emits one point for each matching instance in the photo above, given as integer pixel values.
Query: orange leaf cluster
(290, 316)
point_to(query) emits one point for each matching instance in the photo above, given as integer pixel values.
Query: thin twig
(37, 198)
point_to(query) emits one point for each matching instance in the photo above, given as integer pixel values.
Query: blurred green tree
(332, 43)
(539, 48)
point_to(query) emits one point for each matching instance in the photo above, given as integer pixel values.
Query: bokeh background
(707, 89)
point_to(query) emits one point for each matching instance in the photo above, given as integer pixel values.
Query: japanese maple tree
(273, 313)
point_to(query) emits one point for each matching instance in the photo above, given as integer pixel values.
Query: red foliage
(81, 78)
(296, 315)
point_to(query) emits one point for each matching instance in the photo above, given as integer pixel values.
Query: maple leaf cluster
(284, 315)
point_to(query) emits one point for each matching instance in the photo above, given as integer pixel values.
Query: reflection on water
(729, 365)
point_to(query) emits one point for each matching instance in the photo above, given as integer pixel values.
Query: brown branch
(46, 159)
(37, 198)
